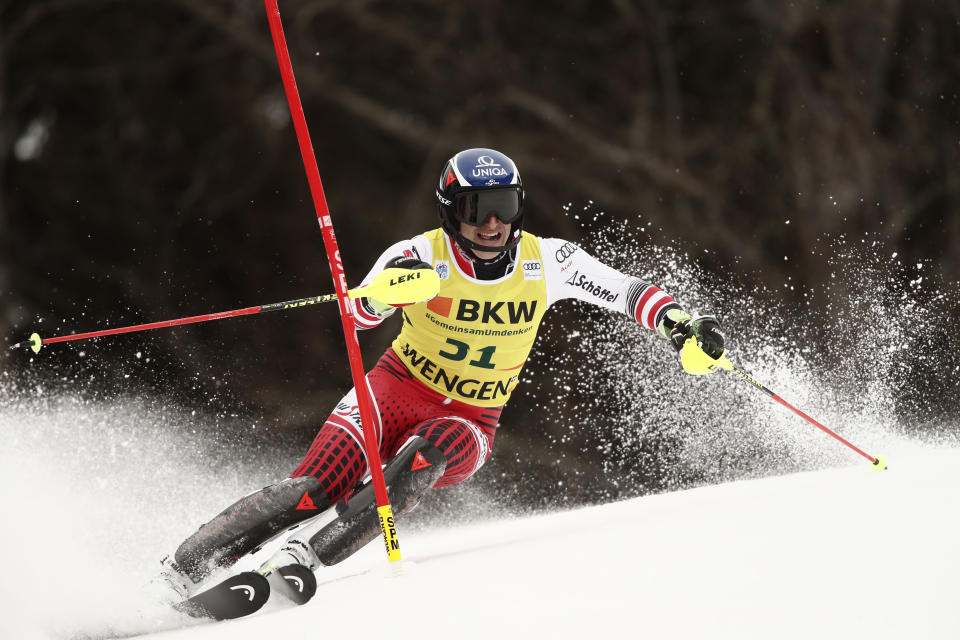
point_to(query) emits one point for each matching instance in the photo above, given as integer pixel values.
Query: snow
(94, 492)
(832, 553)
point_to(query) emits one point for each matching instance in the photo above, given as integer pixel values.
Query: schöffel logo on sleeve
(532, 270)
(567, 250)
(597, 291)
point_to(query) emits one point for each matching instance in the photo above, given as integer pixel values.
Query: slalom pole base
(394, 569)
(879, 463)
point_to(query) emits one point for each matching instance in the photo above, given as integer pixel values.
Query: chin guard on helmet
(475, 185)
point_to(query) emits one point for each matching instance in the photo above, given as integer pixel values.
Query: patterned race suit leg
(406, 408)
(335, 463)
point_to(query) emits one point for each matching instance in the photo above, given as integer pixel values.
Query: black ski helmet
(476, 184)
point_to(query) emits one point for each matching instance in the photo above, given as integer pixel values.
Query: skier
(440, 388)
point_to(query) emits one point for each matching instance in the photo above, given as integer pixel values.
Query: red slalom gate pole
(364, 396)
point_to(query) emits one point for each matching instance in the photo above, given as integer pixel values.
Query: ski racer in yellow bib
(472, 340)
(439, 390)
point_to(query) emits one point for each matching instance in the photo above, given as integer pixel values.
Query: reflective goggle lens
(476, 207)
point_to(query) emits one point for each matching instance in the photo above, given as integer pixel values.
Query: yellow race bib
(471, 341)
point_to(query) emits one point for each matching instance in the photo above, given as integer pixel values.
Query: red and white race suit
(458, 357)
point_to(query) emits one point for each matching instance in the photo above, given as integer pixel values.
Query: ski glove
(678, 326)
(399, 262)
(406, 262)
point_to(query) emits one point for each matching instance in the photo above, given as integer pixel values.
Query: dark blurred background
(149, 168)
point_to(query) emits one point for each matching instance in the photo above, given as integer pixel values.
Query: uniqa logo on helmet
(478, 167)
(486, 167)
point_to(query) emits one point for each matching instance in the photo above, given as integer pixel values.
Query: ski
(237, 596)
(295, 581)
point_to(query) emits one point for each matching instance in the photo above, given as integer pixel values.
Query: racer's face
(491, 233)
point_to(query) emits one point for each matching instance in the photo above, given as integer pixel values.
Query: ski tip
(879, 463)
(237, 596)
(301, 584)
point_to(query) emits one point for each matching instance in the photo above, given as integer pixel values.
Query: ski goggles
(476, 207)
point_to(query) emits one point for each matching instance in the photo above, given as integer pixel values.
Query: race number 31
(462, 349)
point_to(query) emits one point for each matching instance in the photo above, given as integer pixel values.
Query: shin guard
(248, 522)
(416, 467)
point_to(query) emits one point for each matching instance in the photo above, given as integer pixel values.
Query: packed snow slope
(831, 554)
(835, 553)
